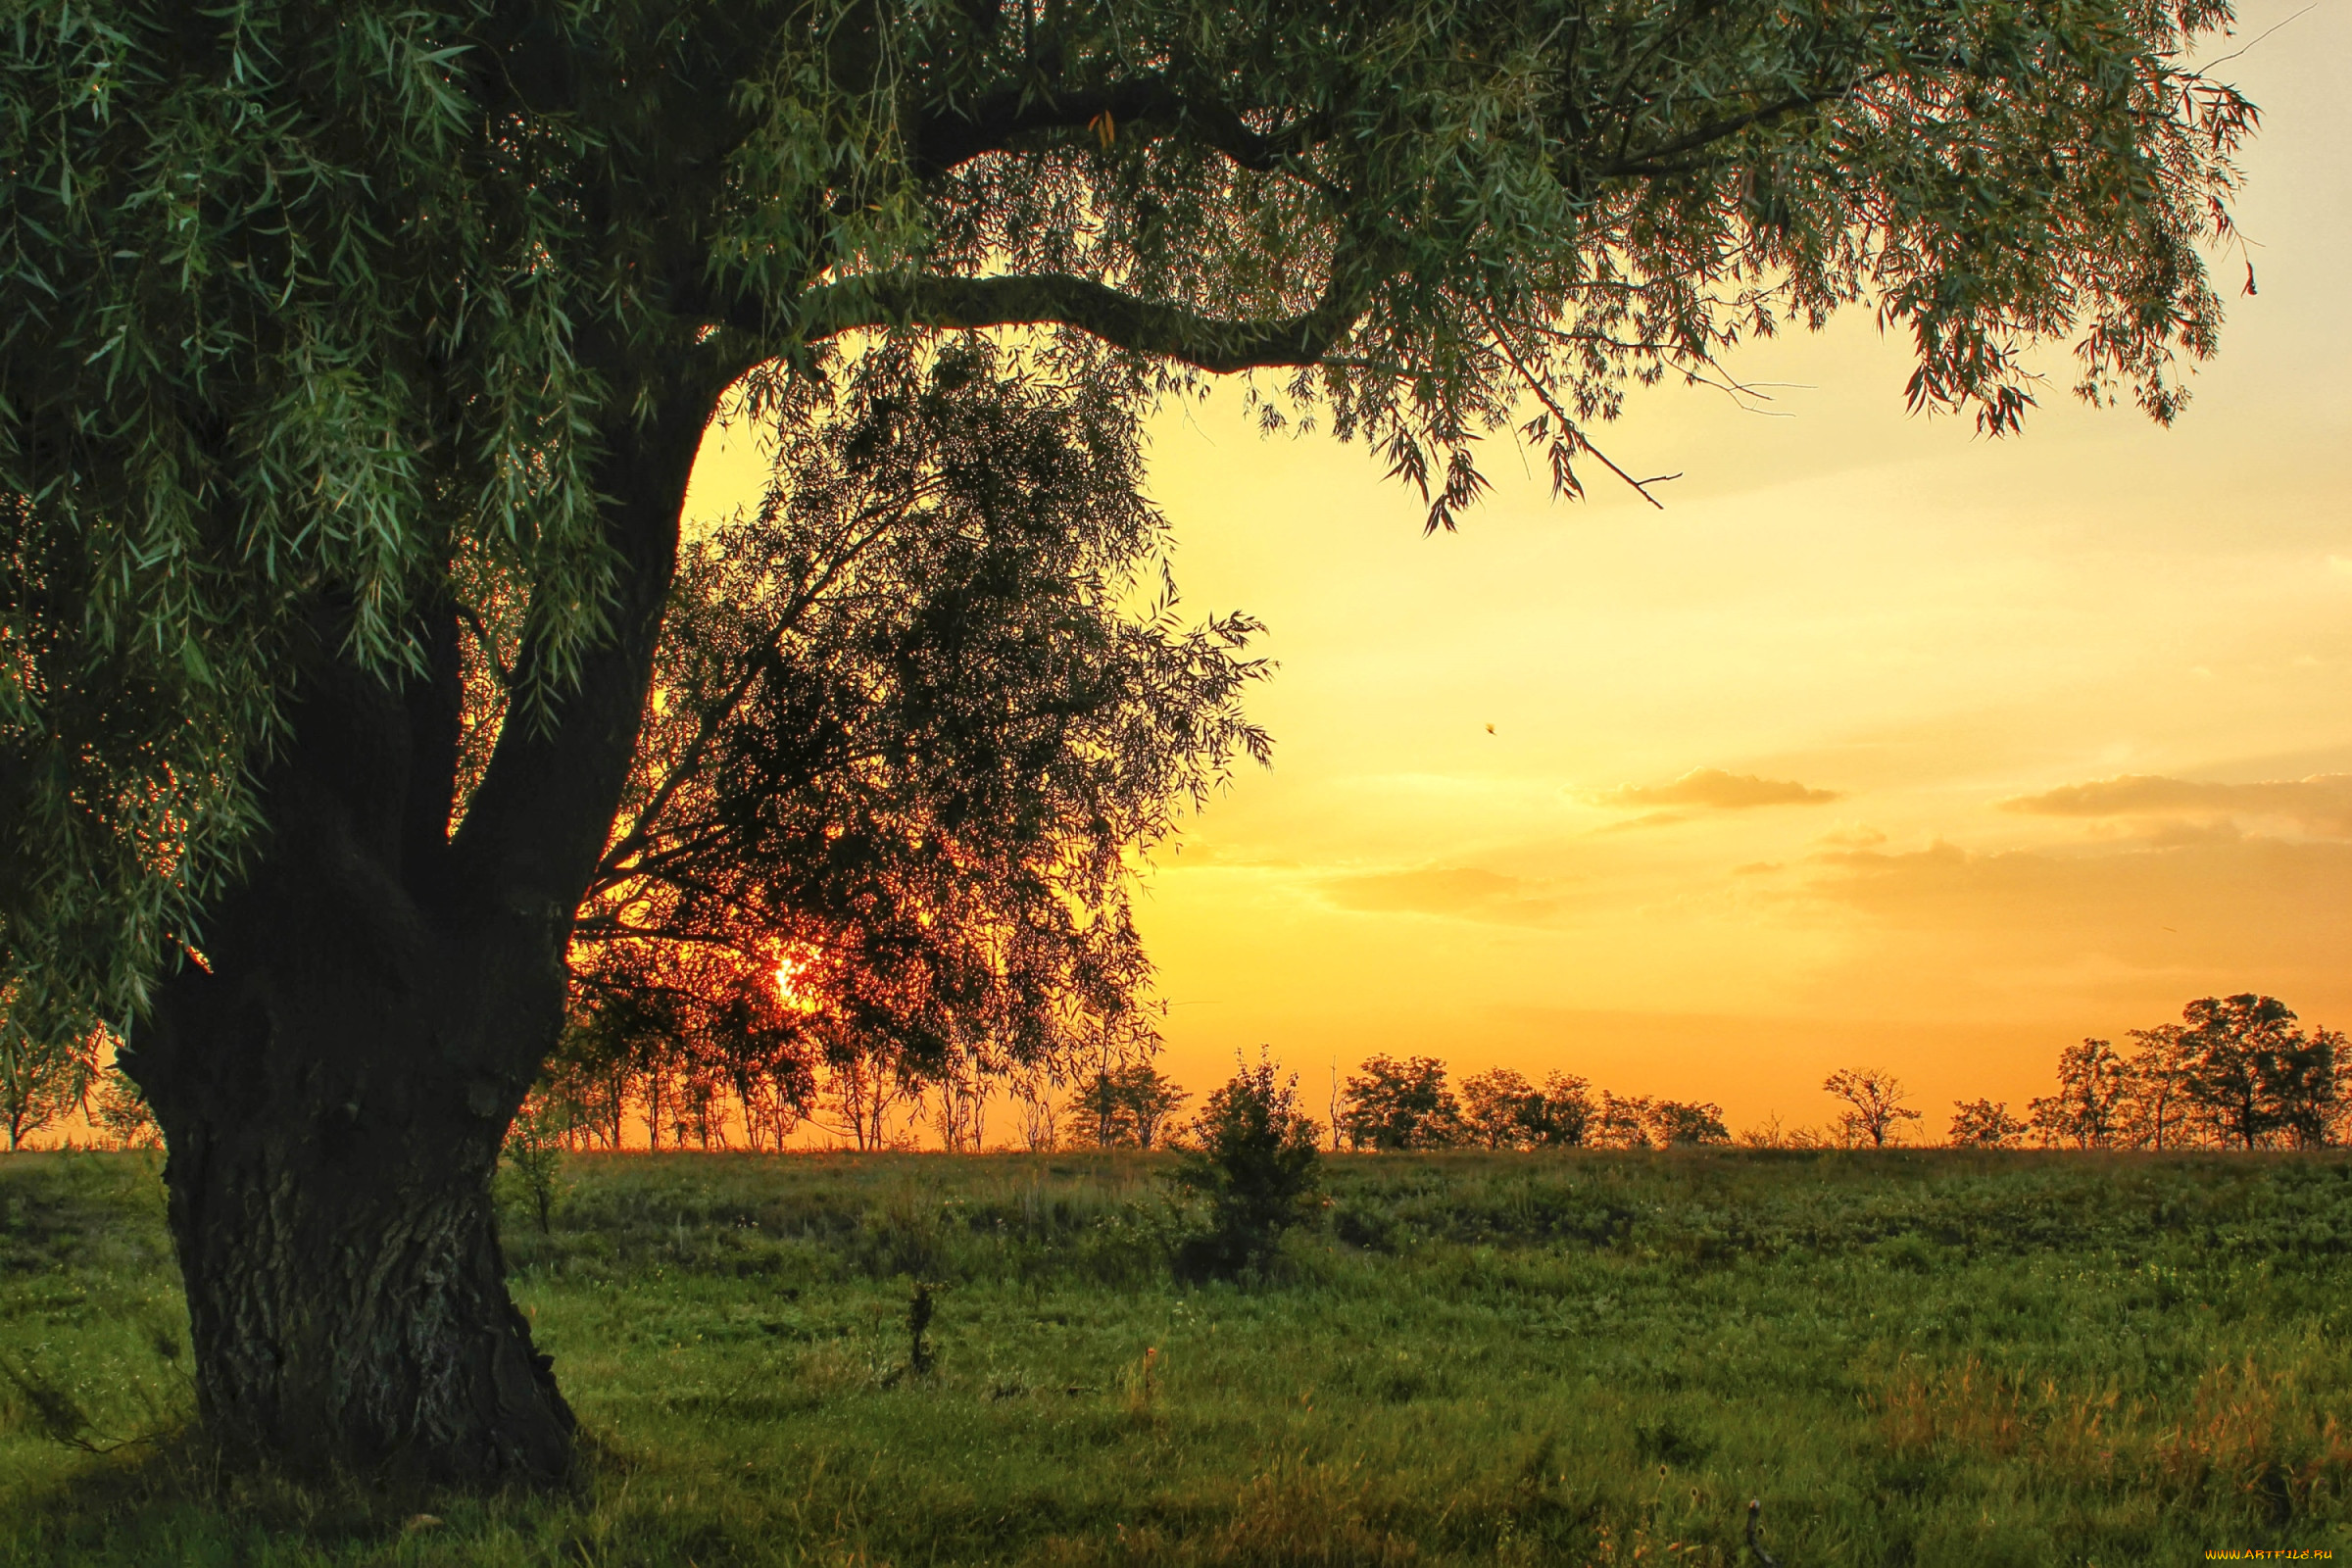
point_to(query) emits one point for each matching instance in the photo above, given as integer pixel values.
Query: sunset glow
(789, 971)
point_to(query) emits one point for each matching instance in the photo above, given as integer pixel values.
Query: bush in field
(1256, 1164)
(1984, 1124)
(533, 1157)
(1401, 1105)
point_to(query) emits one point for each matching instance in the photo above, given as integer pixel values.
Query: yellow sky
(1933, 628)
(1813, 768)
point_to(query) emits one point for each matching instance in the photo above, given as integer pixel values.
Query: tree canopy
(312, 318)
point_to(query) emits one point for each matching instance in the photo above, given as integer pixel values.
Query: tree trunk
(335, 1075)
(333, 1122)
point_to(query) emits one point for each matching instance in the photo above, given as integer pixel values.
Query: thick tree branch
(1145, 326)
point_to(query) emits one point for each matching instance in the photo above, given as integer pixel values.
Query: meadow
(1919, 1357)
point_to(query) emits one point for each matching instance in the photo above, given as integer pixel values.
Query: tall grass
(1911, 1358)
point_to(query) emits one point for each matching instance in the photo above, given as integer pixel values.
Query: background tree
(1129, 1106)
(1567, 1113)
(1501, 1108)
(1256, 1161)
(1984, 1124)
(1875, 1108)
(2244, 1066)
(119, 1112)
(2093, 1086)
(327, 331)
(1684, 1124)
(2251, 1072)
(1620, 1121)
(1392, 1104)
(46, 1073)
(2157, 1111)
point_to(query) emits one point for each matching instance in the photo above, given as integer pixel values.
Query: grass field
(1911, 1358)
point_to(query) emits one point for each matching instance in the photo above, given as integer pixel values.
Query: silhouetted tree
(2093, 1086)
(1874, 1099)
(2243, 1063)
(2157, 1111)
(1127, 1107)
(1401, 1105)
(1501, 1108)
(1984, 1124)
(1620, 1122)
(1677, 1124)
(45, 1072)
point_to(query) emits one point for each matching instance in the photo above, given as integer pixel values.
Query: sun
(789, 989)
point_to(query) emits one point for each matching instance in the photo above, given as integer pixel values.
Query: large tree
(324, 328)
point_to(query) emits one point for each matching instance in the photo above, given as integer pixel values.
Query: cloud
(2229, 909)
(1718, 790)
(2320, 805)
(1460, 891)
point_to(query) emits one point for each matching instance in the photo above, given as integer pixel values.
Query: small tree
(1401, 1105)
(45, 1071)
(1566, 1113)
(1256, 1164)
(1129, 1106)
(1501, 1108)
(1875, 1101)
(1684, 1124)
(2093, 1086)
(533, 1157)
(2156, 1110)
(1984, 1124)
(1620, 1123)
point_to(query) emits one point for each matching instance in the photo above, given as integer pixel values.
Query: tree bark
(335, 1076)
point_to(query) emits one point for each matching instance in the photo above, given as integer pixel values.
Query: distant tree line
(1390, 1105)
(2236, 1072)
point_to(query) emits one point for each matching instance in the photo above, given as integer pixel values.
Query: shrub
(533, 1157)
(1256, 1164)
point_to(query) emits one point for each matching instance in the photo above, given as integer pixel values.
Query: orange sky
(1929, 632)
(1817, 768)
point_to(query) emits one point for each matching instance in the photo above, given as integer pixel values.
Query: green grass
(1912, 1358)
